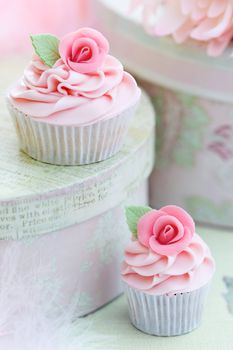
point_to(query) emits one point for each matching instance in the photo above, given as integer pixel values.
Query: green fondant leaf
(46, 47)
(133, 214)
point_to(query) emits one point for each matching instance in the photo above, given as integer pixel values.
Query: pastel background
(20, 18)
(205, 154)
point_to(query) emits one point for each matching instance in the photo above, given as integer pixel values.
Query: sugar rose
(84, 51)
(167, 231)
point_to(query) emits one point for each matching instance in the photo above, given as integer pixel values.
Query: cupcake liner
(71, 145)
(166, 315)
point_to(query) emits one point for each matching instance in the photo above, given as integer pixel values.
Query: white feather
(30, 316)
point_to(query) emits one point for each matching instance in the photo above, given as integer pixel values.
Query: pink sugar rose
(84, 51)
(167, 231)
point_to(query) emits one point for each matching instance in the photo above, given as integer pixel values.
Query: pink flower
(167, 231)
(209, 21)
(84, 51)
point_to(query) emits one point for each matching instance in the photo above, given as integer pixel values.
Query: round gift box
(66, 224)
(193, 95)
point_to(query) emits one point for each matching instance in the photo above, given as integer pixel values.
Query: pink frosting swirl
(158, 274)
(208, 21)
(60, 95)
(84, 51)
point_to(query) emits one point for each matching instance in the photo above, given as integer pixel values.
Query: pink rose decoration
(167, 231)
(209, 21)
(84, 51)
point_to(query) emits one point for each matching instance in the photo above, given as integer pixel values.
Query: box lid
(37, 198)
(185, 67)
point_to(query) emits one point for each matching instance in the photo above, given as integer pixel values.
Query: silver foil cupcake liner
(71, 145)
(165, 315)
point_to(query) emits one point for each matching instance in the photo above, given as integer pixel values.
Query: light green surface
(216, 331)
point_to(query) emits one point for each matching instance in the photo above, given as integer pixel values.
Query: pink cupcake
(167, 271)
(74, 102)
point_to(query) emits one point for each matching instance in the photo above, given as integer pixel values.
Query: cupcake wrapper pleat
(71, 145)
(165, 315)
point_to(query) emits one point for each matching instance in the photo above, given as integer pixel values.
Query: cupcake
(75, 102)
(166, 271)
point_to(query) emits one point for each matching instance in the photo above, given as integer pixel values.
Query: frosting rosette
(208, 21)
(79, 84)
(168, 256)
